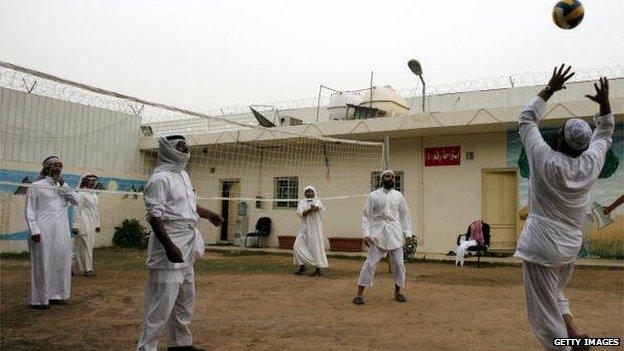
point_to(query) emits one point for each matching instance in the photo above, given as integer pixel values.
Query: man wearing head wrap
(309, 247)
(386, 225)
(86, 223)
(559, 196)
(50, 243)
(174, 244)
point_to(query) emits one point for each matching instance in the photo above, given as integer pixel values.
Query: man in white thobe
(386, 225)
(50, 243)
(174, 244)
(309, 247)
(86, 223)
(559, 195)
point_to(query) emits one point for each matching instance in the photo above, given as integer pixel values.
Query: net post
(386, 152)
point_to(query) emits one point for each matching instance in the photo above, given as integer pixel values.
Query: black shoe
(316, 274)
(400, 297)
(88, 274)
(185, 348)
(58, 302)
(40, 307)
(358, 300)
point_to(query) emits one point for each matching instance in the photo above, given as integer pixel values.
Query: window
(398, 181)
(286, 188)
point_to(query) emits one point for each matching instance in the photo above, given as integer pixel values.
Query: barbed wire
(25, 82)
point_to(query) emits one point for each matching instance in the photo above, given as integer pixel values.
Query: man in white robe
(386, 225)
(174, 244)
(50, 243)
(309, 247)
(559, 195)
(86, 223)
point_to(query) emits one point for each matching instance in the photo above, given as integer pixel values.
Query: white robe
(559, 195)
(86, 219)
(309, 247)
(50, 258)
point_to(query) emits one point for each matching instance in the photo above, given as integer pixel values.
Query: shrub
(130, 234)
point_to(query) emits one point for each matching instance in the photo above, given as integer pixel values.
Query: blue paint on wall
(11, 175)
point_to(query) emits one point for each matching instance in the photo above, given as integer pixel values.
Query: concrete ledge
(421, 256)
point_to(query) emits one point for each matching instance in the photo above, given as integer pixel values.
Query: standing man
(86, 223)
(559, 195)
(386, 224)
(174, 244)
(50, 242)
(309, 247)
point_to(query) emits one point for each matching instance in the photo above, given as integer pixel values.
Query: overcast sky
(209, 54)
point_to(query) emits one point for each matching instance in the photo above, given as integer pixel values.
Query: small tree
(130, 234)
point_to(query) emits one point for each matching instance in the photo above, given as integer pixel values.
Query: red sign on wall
(442, 156)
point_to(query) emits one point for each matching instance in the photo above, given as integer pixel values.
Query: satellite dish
(414, 66)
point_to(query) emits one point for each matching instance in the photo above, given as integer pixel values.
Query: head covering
(476, 231)
(50, 161)
(577, 134)
(86, 176)
(169, 158)
(387, 171)
(310, 187)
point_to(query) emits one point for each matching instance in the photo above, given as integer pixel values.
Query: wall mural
(603, 234)
(21, 176)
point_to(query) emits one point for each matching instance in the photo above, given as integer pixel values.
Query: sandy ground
(256, 303)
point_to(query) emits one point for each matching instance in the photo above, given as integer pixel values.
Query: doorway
(499, 209)
(229, 209)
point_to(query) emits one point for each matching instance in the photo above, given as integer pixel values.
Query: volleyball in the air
(568, 14)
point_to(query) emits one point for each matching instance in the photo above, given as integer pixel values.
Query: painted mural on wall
(12, 196)
(603, 235)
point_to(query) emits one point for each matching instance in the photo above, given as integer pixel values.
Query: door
(230, 189)
(500, 193)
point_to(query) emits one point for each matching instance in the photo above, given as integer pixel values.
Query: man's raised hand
(602, 96)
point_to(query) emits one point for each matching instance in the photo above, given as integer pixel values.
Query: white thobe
(309, 247)
(50, 258)
(387, 222)
(559, 195)
(86, 219)
(170, 290)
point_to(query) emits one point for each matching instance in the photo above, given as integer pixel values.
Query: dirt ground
(254, 302)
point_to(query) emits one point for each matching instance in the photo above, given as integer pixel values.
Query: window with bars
(286, 188)
(398, 180)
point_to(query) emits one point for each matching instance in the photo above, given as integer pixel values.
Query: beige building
(474, 134)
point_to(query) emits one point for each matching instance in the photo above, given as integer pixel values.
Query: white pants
(545, 302)
(374, 255)
(169, 302)
(83, 248)
(460, 252)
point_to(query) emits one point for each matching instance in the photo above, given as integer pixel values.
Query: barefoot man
(174, 244)
(559, 195)
(386, 224)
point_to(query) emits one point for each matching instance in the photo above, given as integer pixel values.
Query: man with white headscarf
(386, 226)
(174, 244)
(559, 195)
(86, 223)
(50, 243)
(309, 247)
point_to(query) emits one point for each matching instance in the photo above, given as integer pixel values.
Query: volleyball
(568, 14)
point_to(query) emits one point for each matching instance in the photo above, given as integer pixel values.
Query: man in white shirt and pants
(386, 225)
(174, 244)
(50, 243)
(561, 178)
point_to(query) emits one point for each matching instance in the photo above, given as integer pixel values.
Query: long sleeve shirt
(44, 204)
(386, 219)
(559, 189)
(169, 195)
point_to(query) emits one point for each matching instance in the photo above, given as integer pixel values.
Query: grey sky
(209, 54)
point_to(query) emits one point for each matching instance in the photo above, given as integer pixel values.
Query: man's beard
(388, 184)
